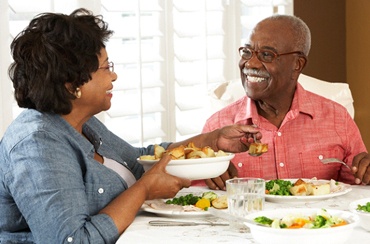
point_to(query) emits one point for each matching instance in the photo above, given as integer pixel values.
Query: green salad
(188, 199)
(365, 208)
(322, 219)
(279, 187)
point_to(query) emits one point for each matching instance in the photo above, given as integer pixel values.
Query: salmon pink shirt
(313, 129)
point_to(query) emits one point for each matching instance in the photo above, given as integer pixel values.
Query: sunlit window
(168, 55)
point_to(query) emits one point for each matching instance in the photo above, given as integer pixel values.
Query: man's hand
(236, 138)
(218, 183)
(361, 168)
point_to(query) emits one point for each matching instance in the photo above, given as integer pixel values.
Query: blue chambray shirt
(51, 188)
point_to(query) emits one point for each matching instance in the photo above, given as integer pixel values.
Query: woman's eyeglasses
(266, 56)
(110, 66)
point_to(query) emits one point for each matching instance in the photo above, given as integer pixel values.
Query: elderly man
(299, 127)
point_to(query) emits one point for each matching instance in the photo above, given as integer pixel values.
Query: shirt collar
(67, 129)
(93, 137)
(301, 104)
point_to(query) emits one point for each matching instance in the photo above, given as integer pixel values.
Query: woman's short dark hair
(53, 50)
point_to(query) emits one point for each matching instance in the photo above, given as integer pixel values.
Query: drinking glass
(244, 196)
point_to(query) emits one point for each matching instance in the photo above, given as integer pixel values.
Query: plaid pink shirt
(314, 128)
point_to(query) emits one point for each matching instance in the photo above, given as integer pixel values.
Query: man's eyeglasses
(266, 56)
(110, 66)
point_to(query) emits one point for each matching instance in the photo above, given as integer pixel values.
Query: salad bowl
(338, 234)
(364, 215)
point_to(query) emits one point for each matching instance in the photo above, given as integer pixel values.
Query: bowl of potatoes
(190, 162)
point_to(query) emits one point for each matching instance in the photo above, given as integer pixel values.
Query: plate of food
(285, 190)
(189, 205)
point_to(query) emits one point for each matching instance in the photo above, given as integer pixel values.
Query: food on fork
(257, 148)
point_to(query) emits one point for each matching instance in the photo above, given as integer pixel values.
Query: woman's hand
(159, 184)
(155, 183)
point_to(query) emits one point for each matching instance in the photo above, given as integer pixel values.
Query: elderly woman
(64, 177)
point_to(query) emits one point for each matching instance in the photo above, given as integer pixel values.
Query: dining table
(217, 229)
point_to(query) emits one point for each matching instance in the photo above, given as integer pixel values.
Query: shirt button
(240, 165)
(281, 164)
(279, 133)
(321, 157)
(69, 239)
(101, 190)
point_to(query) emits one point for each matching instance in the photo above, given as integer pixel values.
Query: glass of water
(244, 196)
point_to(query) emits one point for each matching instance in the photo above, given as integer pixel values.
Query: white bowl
(340, 234)
(364, 217)
(194, 169)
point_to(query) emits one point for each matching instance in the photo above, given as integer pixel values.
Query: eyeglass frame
(276, 55)
(110, 67)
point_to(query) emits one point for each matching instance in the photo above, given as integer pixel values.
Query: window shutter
(168, 55)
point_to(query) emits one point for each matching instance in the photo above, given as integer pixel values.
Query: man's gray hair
(302, 35)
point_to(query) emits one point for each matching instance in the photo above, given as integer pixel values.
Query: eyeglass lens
(266, 56)
(111, 66)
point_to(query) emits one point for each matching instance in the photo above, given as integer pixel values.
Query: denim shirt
(51, 188)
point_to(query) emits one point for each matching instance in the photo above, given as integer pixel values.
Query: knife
(183, 223)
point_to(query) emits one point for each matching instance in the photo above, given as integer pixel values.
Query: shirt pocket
(311, 166)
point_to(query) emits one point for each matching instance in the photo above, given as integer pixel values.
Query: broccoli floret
(210, 195)
(279, 187)
(319, 221)
(263, 220)
(283, 226)
(189, 199)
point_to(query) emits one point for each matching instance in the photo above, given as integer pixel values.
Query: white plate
(174, 214)
(194, 169)
(277, 198)
(182, 214)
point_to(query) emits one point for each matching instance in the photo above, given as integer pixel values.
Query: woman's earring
(78, 92)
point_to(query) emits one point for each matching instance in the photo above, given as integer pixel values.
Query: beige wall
(326, 20)
(341, 49)
(358, 61)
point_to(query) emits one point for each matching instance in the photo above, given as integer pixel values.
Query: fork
(334, 160)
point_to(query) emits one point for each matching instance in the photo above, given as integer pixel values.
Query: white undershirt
(121, 170)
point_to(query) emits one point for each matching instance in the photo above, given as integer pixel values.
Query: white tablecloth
(141, 232)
